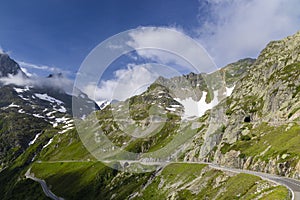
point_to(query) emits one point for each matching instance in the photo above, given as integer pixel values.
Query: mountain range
(245, 115)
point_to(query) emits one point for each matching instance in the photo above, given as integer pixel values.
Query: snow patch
(50, 141)
(45, 97)
(35, 138)
(175, 106)
(20, 90)
(54, 124)
(171, 109)
(38, 116)
(21, 111)
(21, 96)
(65, 130)
(229, 91)
(67, 126)
(194, 108)
(12, 105)
(62, 109)
(50, 113)
(70, 121)
(62, 119)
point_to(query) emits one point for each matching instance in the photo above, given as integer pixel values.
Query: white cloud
(33, 68)
(54, 82)
(170, 46)
(26, 72)
(126, 83)
(36, 81)
(38, 67)
(235, 29)
(1, 50)
(17, 79)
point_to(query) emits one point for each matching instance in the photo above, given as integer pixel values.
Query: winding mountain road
(292, 184)
(45, 188)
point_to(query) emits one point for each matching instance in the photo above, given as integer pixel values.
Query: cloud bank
(234, 29)
(62, 83)
(170, 46)
(126, 82)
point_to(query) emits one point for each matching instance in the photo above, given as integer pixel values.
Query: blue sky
(47, 36)
(60, 33)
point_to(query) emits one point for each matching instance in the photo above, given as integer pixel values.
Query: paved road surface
(45, 188)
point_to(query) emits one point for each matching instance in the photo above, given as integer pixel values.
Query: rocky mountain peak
(281, 53)
(9, 66)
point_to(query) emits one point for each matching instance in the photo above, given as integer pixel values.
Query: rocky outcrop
(265, 98)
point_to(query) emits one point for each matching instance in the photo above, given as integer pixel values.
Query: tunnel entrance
(247, 119)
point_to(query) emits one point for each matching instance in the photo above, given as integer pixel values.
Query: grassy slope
(194, 181)
(88, 180)
(13, 184)
(93, 180)
(66, 146)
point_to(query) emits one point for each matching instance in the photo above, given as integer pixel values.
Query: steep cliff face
(270, 91)
(257, 127)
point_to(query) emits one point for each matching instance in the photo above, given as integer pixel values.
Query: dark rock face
(9, 66)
